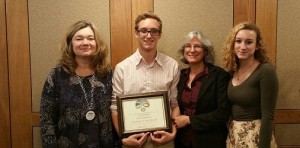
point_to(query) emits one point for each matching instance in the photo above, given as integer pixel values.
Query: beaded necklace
(90, 114)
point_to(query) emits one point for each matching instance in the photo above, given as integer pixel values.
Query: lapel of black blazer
(207, 81)
(181, 85)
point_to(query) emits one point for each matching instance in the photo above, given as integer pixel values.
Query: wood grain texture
(266, 19)
(4, 92)
(121, 30)
(35, 119)
(244, 10)
(287, 116)
(19, 73)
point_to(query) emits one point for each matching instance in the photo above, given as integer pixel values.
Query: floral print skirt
(245, 134)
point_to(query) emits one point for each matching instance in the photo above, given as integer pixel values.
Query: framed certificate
(144, 112)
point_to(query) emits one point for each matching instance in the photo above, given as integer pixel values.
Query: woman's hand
(181, 121)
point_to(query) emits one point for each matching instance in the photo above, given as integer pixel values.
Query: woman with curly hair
(252, 90)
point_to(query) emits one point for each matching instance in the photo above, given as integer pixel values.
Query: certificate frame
(143, 112)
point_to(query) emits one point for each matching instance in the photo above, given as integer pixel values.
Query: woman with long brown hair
(77, 93)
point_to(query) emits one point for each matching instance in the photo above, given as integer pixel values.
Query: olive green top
(255, 98)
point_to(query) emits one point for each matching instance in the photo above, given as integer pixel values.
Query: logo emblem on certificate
(142, 104)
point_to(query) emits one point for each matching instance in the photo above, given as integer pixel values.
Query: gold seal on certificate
(144, 112)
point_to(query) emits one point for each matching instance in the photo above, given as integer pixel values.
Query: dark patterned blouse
(65, 101)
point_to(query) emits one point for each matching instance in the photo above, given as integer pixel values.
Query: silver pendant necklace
(90, 114)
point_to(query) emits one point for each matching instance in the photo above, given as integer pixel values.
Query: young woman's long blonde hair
(231, 62)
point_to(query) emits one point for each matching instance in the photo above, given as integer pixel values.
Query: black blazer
(209, 122)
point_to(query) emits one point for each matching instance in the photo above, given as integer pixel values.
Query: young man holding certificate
(147, 70)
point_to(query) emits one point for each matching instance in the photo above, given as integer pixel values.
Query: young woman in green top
(252, 90)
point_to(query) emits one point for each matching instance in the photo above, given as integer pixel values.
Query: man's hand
(136, 140)
(162, 137)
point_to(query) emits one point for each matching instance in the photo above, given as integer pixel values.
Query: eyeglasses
(196, 47)
(144, 32)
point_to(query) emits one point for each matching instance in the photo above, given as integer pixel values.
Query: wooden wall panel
(138, 7)
(121, 34)
(4, 92)
(287, 116)
(35, 119)
(244, 10)
(266, 19)
(19, 73)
